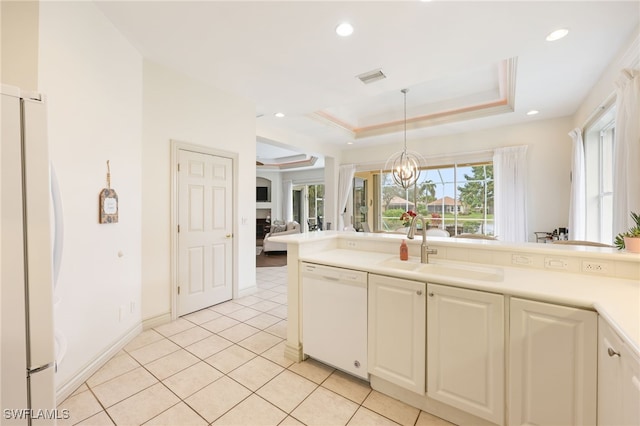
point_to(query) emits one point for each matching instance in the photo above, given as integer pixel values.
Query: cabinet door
(630, 387)
(609, 376)
(552, 364)
(465, 350)
(397, 331)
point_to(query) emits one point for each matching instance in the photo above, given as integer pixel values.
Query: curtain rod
(595, 115)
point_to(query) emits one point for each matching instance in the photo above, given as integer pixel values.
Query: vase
(632, 244)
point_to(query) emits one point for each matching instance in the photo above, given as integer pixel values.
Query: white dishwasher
(334, 317)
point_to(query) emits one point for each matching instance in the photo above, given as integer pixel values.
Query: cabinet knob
(612, 353)
(356, 364)
(431, 294)
(419, 292)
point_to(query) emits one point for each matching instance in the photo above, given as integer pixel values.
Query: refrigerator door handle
(58, 219)
(42, 367)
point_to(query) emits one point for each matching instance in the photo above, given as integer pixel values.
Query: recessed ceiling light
(349, 143)
(344, 29)
(279, 114)
(557, 34)
(533, 112)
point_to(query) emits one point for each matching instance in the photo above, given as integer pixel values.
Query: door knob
(612, 352)
(229, 235)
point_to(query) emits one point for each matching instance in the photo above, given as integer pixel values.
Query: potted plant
(630, 240)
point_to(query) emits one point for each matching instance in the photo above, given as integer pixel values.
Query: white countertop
(617, 300)
(564, 250)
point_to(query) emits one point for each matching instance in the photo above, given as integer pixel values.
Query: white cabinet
(465, 350)
(552, 364)
(334, 317)
(609, 376)
(397, 331)
(618, 380)
(630, 387)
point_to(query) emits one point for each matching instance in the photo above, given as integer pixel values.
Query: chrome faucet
(425, 251)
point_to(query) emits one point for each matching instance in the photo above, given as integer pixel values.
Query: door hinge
(178, 290)
(178, 228)
(178, 166)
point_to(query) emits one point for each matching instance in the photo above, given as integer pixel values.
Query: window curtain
(345, 183)
(626, 151)
(287, 200)
(577, 202)
(510, 193)
(377, 202)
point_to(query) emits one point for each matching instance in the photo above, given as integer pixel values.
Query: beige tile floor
(225, 366)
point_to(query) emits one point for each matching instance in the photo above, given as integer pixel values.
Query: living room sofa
(278, 230)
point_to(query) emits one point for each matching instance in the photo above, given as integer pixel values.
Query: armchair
(268, 245)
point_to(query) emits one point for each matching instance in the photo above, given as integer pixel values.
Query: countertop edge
(618, 303)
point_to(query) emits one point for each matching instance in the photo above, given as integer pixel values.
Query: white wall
(276, 193)
(298, 177)
(92, 78)
(549, 162)
(19, 22)
(304, 177)
(179, 108)
(604, 89)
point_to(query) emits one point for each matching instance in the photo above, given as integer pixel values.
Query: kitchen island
(472, 332)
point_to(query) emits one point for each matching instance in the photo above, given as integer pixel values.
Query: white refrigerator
(27, 391)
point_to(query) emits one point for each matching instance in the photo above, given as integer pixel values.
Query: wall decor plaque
(108, 204)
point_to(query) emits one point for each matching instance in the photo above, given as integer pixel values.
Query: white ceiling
(456, 58)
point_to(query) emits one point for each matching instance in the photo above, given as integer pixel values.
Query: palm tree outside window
(458, 198)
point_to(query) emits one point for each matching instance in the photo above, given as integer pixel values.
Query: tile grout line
(223, 374)
(281, 339)
(105, 409)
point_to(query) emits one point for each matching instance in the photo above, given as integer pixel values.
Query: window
(316, 204)
(308, 206)
(458, 198)
(598, 148)
(360, 209)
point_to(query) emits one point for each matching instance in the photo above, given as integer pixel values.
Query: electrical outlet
(555, 263)
(351, 244)
(595, 267)
(519, 259)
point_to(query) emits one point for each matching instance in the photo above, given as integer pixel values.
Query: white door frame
(175, 147)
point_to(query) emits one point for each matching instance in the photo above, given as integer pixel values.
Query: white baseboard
(247, 291)
(293, 353)
(89, 369)
(156, 321)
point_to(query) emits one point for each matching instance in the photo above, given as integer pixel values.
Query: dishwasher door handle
(324, 277)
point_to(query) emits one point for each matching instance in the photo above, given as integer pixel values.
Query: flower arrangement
(407, 217)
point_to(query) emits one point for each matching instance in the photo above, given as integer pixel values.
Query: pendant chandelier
(404, 165)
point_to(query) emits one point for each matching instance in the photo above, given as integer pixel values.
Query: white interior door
(205, 207)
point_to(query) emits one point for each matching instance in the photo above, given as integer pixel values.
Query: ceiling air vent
(371, 76)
